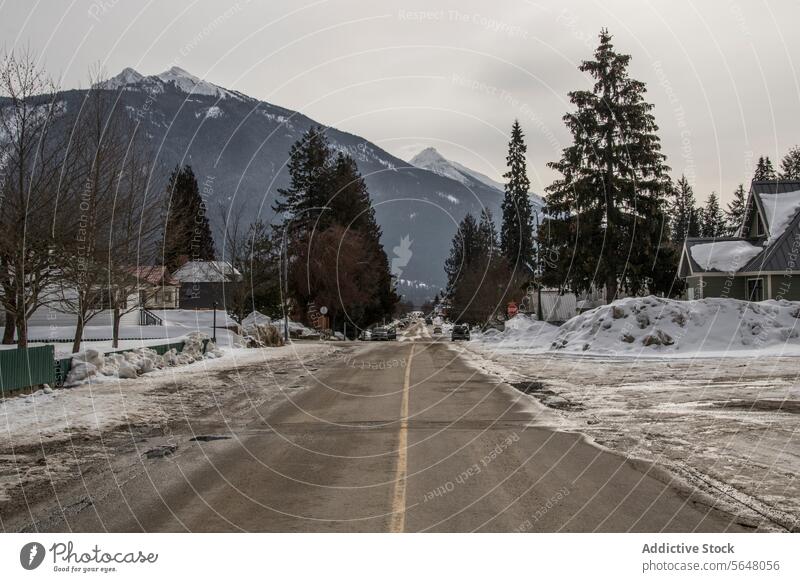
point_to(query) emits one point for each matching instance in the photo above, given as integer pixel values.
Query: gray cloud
(454, 74)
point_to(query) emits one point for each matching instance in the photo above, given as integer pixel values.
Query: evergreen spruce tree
(764, 170)
(302, 203)
(697, 222)
(465, 248)
(327, 202)
(790, 165)
(487, 233)
(713, 218)
(735, 211)
(187, 232)
(681, 210)
(516, 231)
(603, 213)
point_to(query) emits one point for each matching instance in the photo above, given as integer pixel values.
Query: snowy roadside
(45, 436)
(730, 428)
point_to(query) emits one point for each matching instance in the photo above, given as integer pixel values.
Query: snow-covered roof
(207, 272)
(724, 255)
(779, 210)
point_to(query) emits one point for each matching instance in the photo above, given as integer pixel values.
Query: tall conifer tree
(516, 231)
(764, 170)
(187, 232)
(790, 165)
(734, 214)
(605, 209)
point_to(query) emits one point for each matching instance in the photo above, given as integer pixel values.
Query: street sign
(512, 309)
(323, 310)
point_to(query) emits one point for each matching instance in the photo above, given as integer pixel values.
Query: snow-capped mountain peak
(428, 156)
(177, 77)
(128, 76)
(430, 159)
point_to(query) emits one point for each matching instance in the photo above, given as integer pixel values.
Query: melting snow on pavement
(728, 426)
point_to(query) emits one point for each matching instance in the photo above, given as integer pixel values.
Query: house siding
(730, 287)
(786, 287)
(203, 295)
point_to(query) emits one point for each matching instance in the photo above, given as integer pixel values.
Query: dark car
(379, 334)
(428, 321)
(391, 334)
(460, 332)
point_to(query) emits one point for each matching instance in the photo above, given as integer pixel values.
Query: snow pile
(92, 363)
(262, 335)
(521, 331)
(256, 318)
(727, 256)
(298, 330)
(780, 209)
(653, 325)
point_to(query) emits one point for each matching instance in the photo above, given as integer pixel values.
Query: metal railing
(148, 318)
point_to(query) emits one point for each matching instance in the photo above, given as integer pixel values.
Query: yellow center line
(398, 522)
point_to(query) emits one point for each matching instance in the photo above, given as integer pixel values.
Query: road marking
(398, 522)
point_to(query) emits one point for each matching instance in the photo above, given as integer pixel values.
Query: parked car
(460, 332)
(366, 335)
(437, 329)
(391, 334)
(380, 334)
(428, 321)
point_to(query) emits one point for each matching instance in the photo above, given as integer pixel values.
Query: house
(157, 289)
(760, 261)
(203, 283)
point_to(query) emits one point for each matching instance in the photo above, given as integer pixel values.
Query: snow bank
(92, 364)
(255, 325)
(653, 325)
(521, 332)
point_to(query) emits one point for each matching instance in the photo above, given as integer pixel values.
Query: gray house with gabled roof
(761, 261)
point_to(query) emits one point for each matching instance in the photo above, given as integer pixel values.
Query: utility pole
(285, 289)
(538, 274)
(214, 325)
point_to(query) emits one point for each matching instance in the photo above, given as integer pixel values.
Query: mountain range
(239, 146)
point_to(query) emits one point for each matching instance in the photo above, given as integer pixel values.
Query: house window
(758, 226)
(755, 289)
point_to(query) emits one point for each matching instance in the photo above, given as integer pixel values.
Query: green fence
(20, 368)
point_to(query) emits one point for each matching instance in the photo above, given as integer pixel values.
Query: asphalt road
(397, 436)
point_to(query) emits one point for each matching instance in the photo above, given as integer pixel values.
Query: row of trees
(87, 219)
(76, 210)
(331, 239)
(613, 219)
(485, 271)
(710, 220)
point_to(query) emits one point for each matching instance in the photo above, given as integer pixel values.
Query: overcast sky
(454, 74)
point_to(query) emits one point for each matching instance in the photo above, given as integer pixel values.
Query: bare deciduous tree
(38, 171)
